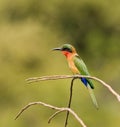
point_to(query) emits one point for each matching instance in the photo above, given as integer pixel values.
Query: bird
(77, 66)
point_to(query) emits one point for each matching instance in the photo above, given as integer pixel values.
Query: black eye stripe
(67, 49)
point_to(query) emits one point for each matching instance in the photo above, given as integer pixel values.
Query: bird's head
(66, 49)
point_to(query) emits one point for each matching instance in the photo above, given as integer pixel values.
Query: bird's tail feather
(92, 96)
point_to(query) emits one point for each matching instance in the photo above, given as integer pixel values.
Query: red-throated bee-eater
(77, 66)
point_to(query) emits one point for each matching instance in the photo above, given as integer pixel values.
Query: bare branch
(56, 77)
(53, 115)
(69, 103)
(59, 110)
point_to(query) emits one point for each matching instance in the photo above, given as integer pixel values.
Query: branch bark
(59, 110)
(56, 77)
(69, 103)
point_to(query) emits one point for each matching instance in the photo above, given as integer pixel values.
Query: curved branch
(53, 115)
(55, 77)
(59, 110)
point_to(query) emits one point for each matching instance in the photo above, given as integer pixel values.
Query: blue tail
(86, 82)
(90, 87)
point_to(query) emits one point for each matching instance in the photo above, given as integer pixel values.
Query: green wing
(79, 63)
(84, 71)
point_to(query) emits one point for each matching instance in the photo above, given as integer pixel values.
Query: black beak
(59, 49)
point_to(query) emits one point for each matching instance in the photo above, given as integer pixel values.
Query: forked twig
(53, 115)
(55, 77)
(59, 110)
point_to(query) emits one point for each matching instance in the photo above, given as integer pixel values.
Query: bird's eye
(67, 49)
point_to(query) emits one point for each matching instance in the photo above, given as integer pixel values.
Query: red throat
(67, 54)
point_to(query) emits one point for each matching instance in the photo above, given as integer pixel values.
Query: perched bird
(77, 66)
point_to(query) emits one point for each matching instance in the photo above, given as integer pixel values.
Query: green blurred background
(29, 29)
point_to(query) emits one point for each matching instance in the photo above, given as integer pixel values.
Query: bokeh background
(29, 29)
